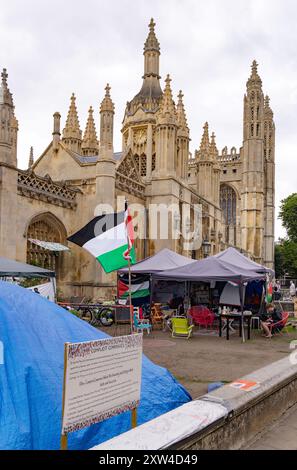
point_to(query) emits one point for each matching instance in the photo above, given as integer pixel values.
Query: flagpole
(129, 273)
(130, 295)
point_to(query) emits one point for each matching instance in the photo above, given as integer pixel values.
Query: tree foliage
(286, 250)
(288, 216)
(286, 259)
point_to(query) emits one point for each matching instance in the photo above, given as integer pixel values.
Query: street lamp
(206, 247)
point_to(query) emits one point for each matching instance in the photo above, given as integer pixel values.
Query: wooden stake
(64, 442)
(64, 437)
(134, 418)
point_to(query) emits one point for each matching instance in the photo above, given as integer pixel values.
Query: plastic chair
(141, 325)
(181, 327)
(276, 328)
(202, 316)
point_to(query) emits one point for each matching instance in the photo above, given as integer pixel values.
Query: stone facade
(62, 189)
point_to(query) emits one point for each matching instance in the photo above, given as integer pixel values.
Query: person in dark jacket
(270, 320)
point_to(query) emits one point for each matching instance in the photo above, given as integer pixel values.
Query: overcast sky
(52, 48)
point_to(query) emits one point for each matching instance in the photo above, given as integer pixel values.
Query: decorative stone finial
(107, 104)
(107, 90)
(267, 102)
(167, 109)
(152, 25)
(152, 43)
(31, 158)
(254, 80)
(72, 128)
(5, 95)
(203, 152)
(213, 147)
(90, 142)
(4, 76)
(181, 114)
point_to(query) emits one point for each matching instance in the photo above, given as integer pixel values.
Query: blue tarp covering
(33, 332)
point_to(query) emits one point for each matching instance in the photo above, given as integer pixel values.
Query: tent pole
(242, 306)
(130, 295)
(151, 291)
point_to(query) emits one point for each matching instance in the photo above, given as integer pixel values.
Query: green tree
(279, 259)
(288, 216)
(290, 258)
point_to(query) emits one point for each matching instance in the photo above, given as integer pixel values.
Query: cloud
(53, 48)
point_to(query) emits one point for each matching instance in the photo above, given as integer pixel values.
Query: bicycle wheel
(86, 315)
(106, 316)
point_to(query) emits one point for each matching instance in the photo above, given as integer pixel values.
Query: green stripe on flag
(137, 294)
(113, 260)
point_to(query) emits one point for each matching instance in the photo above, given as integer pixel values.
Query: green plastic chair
(181, 327)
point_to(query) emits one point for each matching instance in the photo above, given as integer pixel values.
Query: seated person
(269, 319)
(177, 303)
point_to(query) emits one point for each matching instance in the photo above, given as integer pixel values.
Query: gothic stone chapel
(59, 191)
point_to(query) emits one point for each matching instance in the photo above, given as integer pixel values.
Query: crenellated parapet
(229, 157)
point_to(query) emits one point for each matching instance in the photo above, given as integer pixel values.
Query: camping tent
(11, 268)
(233, 256)
(33, 332)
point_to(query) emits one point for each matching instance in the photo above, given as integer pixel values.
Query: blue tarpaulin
(33, 332)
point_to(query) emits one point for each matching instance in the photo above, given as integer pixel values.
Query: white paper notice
(103, 378)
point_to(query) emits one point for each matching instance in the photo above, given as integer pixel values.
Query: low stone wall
(228, 418)
(249, 412)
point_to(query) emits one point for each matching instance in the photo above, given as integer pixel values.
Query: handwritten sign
(102, 379)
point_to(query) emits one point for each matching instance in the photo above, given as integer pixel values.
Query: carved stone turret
(106, 125)
(9, 124)
(72, 135)
(90, 144)
(183, 139)
(31, 158)
(166, 133)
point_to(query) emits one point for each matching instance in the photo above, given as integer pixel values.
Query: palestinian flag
(140, 287)
(109, 238)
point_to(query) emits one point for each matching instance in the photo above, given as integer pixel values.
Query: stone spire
(167, 112)
(183, 139)
(106, 125)
(152, 43)
(181, 114)
(204, 149)
(72, 128)
(150, 94)
(5, 95)
(107, 104)
(9, 124)
(253, 106)
(213, 151)
(254, 81)
(267, 109)
(90, 142)
(31, 158)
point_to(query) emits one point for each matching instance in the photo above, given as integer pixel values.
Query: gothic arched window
(228, 204)
(48, 228)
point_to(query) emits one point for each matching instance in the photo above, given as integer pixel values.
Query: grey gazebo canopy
(11, 268)
(163, 260)
(234, 257)
(211, 269)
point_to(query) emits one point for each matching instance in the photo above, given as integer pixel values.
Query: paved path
(281, 436)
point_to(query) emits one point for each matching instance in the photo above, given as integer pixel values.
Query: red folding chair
(276, 328)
